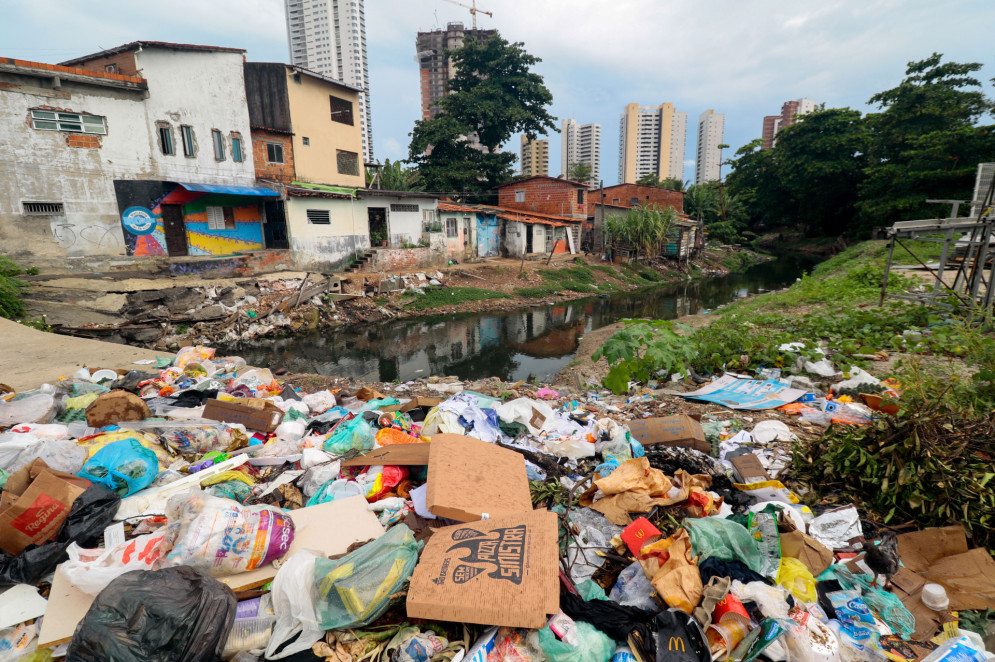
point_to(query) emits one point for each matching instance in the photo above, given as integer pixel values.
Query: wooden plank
(329, 527)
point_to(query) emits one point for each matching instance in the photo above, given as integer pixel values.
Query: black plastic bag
(170, 615)
(679, 638)
(91, 513)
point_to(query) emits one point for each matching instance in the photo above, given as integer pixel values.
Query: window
(274, 153)
(110, 68)
(580, 196)
(236, 147)
(43, 208)
(50, 120)
(348, 162)
(306, 141)
(397, 206)
(219, 145)
(165, 138)
(186, 136)
(318, 217)
(220, 218)
(519, 196)
(634, 202)
(451, 230)
(341, 110)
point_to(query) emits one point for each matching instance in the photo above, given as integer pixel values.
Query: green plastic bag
(592, 645)
(355, 589)
(351, 435)
(714, 537)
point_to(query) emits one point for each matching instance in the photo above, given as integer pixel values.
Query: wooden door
(175, 230)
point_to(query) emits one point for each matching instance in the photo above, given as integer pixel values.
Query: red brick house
(546, 195)
(635, 195)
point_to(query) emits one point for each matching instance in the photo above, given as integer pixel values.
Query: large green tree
(494, 95)
(925, 142)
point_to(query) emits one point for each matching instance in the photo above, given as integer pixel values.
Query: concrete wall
(202, 89)
(463, 246)
(327, 247)
(402, 226)
(206, 91)
(399, 259)
(310, 112)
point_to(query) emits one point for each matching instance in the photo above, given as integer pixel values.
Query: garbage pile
(200, 509)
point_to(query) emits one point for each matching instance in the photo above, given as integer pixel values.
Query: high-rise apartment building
(535, 157)
(581, 143)
(651, 141)
(791, 111)
(329, 37)
(709, 156)
(434, 67)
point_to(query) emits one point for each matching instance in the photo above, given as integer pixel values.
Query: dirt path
(30, 357)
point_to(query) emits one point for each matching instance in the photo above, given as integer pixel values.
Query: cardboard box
(19, 481)
(398, 455)
(37, 514)
(749, 468)
(680, 431)
(501, 571)
(115, 407)
(264, 419)
(468, 478)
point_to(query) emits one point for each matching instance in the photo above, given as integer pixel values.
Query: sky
(743, 58)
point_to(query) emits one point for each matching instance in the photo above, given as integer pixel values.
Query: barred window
(398, 206)
(348, 162)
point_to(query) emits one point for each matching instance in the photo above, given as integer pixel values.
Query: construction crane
(473, 10)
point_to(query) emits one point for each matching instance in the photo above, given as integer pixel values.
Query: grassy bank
(931, 462)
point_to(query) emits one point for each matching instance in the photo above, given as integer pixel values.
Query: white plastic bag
(37, 408)
(319, 402)
(858, 378)
(634, 589)
(317, 476)
(222, 537)
(91, 570)
(293, 602)
(524, 411)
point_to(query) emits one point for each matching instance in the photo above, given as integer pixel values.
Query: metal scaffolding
(967, 255)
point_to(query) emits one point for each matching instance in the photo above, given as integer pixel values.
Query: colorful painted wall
(201, 240)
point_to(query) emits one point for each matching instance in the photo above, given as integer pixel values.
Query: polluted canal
(537, 341)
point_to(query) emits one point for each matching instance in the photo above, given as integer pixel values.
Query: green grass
(437, 297)
(538, 291)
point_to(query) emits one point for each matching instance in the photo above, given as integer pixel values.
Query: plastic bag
(293, 603)
(91, 570)
(18, 641)
(633, 589)
(315, 477)
(336, 489)
(222, 537)
(36, 408)
(185, 616)
(524, 410)
(725, 540)
(793, 575)
(193, 354)
(319, 402)
(91, 513)
(351, 435)
(355, 589)
(189, 437)
(592, 645)
(772, 600)
(124, 467)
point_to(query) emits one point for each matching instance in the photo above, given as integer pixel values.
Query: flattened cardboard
(502, 571)
(20, 479)
(264, 419)
(353, 522)
(37, 514)
(468, 478)
(677, 431)
(907, 585)
(749, 468)
(399, 455)
(920, 549)
(969, 579)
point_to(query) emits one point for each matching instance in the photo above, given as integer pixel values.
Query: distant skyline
(744, 59)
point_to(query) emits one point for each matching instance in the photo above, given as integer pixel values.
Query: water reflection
(534, 342)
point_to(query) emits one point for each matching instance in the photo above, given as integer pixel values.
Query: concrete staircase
(361, 261)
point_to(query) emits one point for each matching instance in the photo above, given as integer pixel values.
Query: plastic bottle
(623, 654)
(958, 649)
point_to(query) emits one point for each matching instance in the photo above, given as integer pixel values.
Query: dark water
(530, 342)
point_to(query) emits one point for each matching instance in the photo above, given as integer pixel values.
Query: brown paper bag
(37, 514)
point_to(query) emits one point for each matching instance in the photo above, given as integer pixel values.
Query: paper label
(42, 514)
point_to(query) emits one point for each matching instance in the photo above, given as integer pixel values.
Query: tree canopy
(836, 171)
(493, 95)
(579, 172)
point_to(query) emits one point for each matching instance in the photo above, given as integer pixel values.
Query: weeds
(438, 297)
(537, 292)
(12, 289)
(642, 350)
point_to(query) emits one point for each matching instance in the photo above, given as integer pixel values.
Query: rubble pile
(197, 508)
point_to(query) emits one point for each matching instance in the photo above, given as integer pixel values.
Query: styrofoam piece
(20, 603)
(153, 500)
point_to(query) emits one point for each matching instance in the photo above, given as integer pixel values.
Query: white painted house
(154, 127)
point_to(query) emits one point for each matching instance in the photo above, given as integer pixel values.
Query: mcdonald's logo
(676, 644)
